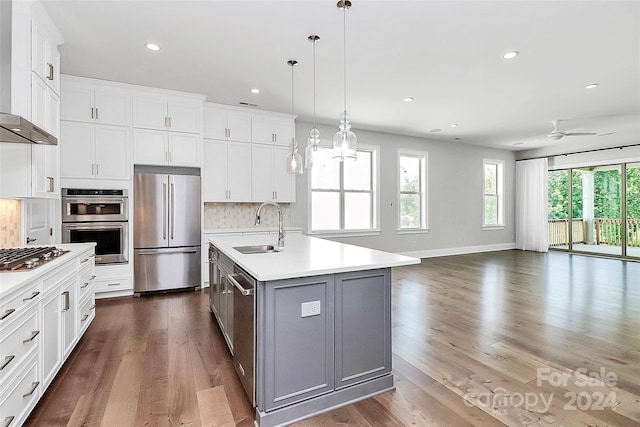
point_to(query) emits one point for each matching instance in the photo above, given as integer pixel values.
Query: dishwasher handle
(246, 292)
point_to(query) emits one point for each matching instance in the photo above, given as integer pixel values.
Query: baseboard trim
(432, 253)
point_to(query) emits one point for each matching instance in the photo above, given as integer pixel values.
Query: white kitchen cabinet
(83, 102)
(52, 340)
(45, 58)
(275, 130)
(45, 106)
(153, 147)
(156, 112)
(94, 151)
(226, 124)
(15, 170)
(270, 180)
(45, 179)
(226, 172)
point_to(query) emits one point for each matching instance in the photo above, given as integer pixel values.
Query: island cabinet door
(363, 326)
(295, 342)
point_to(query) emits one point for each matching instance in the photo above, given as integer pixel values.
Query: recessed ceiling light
(152, 46)
(591, 86)
(408, 99)
(457, 139)
(510, 55)
(454, 125)
(255, 90)
(435, 130)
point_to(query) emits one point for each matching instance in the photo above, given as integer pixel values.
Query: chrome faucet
(280, 225)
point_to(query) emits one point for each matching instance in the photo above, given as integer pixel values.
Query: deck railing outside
(607, 232)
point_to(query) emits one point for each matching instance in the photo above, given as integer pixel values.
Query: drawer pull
(8, 421)
(113, 284)
(84, 260)
(67, 304)
(84, 318)
(92, 277)
(33, 295)
(7, 360)
(7, 313)
(84, 285)
(33, 335)
(92, 307)
(34, 386)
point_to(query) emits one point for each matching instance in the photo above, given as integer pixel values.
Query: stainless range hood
(14, 128)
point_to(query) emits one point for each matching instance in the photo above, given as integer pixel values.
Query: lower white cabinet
(41, 322)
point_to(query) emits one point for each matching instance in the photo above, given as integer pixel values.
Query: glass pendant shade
(310, 152)
(294, 161)
(345, 141)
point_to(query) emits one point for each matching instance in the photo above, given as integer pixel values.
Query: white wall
(455, 180)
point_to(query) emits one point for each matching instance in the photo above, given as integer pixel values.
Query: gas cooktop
(28, 258)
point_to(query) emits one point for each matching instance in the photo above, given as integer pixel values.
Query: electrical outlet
(311, 308)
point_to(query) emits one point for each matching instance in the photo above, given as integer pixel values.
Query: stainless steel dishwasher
(244, 310)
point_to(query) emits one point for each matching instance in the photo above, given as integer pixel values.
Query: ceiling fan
(556, 134)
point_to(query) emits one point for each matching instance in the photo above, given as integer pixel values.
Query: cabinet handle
(33, 335)
(67, 304)
(50, 76)
(169, 121)
(113, 284)
(7, 313)
(84, 318)
(97, 168)
(92, 277)
(50, 179)
(97, 110)
(85, 260)
(274, 137)
(92, 307)
(92, 168)
(92, 112)
(33, 295)
(34, 386)
(84, 285)
(8, 421)
(7, 360)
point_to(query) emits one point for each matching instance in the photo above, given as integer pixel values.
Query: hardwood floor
(488, 339)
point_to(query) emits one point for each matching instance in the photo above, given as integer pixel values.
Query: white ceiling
(445, 54)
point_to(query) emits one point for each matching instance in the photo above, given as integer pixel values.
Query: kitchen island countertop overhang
(304, 256)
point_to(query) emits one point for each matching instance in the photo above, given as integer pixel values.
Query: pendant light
(345, 141)
(310, 152)
(294, 159)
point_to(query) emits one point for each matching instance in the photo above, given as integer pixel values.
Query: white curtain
(532, 205)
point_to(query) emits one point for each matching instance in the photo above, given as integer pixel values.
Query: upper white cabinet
(270, 180)
(154, 147)
(177, 115)
(95, 151)
(272, 130)
(226, 123)
(45, 58)
(226, 171)
(94, 103)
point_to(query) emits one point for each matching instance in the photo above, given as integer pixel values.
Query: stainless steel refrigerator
(166, 228)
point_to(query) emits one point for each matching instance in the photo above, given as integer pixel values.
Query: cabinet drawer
(87, 313)
(21, 395)
(113, 284)
(17, 340)
(16, 302)
(58, 276)
(86, 283)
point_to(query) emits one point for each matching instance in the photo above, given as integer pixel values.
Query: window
(412, 190)
(343, 194)
(493, 211)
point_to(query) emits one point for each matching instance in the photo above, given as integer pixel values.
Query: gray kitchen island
(308, 324)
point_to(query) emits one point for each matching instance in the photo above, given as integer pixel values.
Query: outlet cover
(311, 308)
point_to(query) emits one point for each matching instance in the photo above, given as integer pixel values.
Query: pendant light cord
(314, 83)
(344, 39)
(293, 120)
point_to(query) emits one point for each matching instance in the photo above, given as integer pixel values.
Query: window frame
(499, 194)
(424, 202)
(375, 199)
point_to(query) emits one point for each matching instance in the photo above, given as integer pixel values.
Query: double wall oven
(100, 216)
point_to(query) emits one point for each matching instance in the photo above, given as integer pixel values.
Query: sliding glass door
(596, 210)
(633, 209)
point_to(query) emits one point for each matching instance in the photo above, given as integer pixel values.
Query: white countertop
(305, 256)
(10, 280)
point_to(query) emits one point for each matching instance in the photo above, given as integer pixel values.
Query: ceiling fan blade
(579, 133)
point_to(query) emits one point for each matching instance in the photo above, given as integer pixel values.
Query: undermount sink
(256, 249)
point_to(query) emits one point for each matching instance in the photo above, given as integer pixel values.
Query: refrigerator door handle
(192, 251)
(173, 204)
(164, 211)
